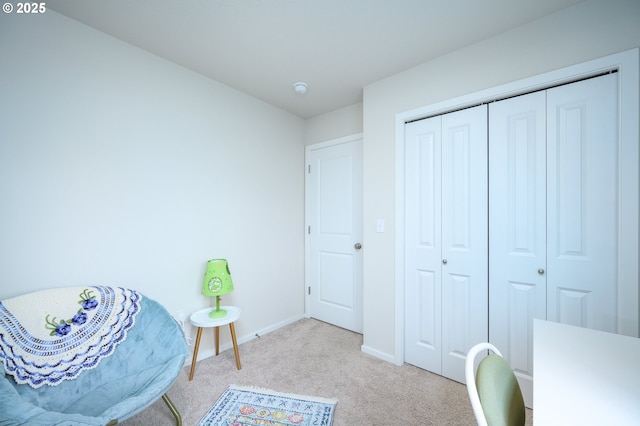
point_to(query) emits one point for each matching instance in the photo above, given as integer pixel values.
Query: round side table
(202, 320)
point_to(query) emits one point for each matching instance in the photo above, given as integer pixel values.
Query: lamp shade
(217, 279)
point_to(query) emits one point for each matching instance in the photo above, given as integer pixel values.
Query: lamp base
(217, 313)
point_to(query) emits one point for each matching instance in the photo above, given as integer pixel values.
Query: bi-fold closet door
(549, 191)
(446, 260)
(554, 182)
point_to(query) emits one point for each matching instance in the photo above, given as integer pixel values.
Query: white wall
(120, 168)
(586, 31)
(345, 121)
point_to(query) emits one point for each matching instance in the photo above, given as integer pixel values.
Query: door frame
(627, 65)
(307, 209)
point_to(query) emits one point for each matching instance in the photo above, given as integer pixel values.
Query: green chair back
(499, 392)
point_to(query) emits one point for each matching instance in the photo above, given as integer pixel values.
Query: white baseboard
(269, 329)
(204, 353)
(380, 355)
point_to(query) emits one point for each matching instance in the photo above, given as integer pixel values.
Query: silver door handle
(444, 261)
(357, 246)
(541, 271)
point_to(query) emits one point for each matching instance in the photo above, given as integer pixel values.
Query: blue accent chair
(139, 372)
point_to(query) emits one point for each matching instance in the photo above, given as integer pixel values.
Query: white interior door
(465, 262)
(583, 197)
(517, 223)
(554, 187)
(445, 224)
(334, 233)
(423, 244)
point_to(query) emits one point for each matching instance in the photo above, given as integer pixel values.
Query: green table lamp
(217, 281)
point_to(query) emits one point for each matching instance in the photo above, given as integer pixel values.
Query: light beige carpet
(310, 357)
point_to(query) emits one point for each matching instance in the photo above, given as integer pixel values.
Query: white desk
(584, 377)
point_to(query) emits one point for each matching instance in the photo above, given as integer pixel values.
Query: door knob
(444, 261)
(357, 246)
(541, 271)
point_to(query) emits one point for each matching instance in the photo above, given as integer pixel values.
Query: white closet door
(464, 237)
(554, 196)
(583, 198)
(445, 240)
(423, 246)
(517, 223)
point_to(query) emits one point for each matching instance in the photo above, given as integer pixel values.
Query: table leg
(217, 336)
(195, 354)
(235, 344)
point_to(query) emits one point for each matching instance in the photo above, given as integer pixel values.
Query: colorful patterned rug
(242, 406)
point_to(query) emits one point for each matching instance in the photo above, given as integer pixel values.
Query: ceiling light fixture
(300, 87)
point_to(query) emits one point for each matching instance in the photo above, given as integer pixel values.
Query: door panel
(583, 188)
(517, 223)
(423, 244)
(334, 214)
(464, 236)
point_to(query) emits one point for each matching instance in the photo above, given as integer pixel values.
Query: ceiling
(263, 47)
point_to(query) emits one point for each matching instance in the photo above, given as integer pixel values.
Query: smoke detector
(300, 87)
